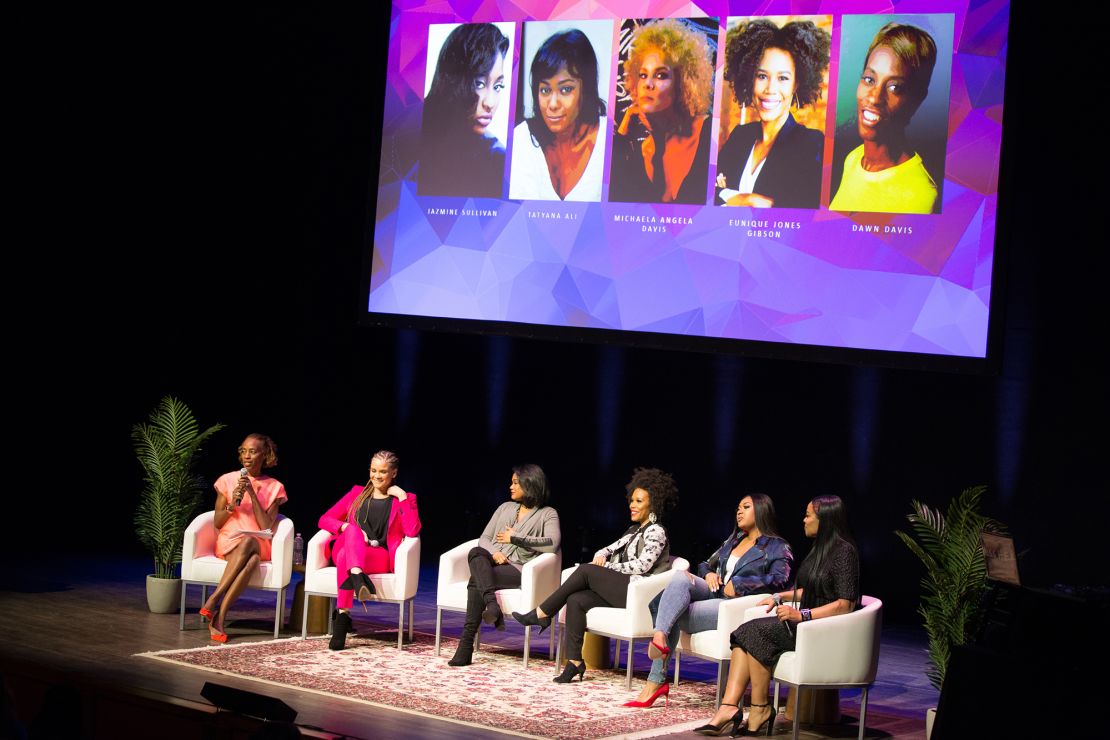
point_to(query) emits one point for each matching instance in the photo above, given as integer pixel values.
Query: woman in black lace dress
(828, 585)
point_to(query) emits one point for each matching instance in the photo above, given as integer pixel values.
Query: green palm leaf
(949, 546)
(166, 446)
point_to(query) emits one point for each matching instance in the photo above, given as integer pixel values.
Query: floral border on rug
(495, 691)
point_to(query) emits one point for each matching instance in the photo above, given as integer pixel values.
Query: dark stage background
(211, 179)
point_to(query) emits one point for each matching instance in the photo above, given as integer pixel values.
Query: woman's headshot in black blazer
(773, 161)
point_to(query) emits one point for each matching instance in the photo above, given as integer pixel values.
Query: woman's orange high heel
(216, 635)
(664, 691)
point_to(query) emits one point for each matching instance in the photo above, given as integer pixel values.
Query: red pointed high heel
(216, 635)
(206, 614)
(663, 691)
(657, 651)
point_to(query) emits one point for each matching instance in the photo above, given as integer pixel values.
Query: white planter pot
(163, 595)
(930, 716)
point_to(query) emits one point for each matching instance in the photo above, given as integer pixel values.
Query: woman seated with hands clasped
(518, 531)
(754, 559)
(642, 550)
(246, 509)
(367, 526)
(828, 585)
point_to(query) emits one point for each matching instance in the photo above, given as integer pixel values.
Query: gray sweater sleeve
(486, 541)
(550, 536)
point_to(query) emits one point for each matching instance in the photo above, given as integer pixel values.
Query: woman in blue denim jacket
(753, 560)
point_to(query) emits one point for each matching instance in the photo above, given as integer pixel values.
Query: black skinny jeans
(588, 586)
(485, 579)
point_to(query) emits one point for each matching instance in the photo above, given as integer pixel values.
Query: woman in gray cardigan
(518, 531)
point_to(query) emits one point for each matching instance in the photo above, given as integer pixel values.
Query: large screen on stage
(726, 170)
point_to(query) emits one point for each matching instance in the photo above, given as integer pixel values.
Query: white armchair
(199, 564)
(538, 579)
(715, 644)
(398, 587)
(833, 653)
(630, 623)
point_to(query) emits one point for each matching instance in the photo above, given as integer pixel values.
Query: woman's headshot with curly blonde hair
(686, 53)
(661, 152)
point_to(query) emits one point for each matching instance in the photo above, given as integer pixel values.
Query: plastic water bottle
(298, 550)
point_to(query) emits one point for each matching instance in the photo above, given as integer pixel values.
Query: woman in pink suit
(367, 526)
(246, 501)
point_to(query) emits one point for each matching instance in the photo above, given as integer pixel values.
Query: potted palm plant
(949, 546)
(166, 445)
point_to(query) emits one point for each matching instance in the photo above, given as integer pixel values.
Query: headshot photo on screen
(464, 120)
(559, 143)
(892, 114)
(662, 112)
(773, 110)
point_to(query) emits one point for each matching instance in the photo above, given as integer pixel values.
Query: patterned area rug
(495, 691)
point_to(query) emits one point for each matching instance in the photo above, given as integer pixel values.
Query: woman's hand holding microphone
(784, 612)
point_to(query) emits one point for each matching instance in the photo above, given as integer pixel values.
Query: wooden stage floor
(66, 625)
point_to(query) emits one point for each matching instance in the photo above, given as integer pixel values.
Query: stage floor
(84, 622)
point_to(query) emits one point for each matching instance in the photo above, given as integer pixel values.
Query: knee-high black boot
(474, 606)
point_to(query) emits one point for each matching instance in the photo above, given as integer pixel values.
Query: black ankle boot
(570, 672)
(530, 620)
(341, 626)
(361, 584)
(464, 652)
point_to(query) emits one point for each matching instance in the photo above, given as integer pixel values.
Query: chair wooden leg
(304, 617)
(411, 602)
(677, 663)
(551, 639)
(439, 626)
(478, 638)
(181, 621)
(400, 624)
(527, 644)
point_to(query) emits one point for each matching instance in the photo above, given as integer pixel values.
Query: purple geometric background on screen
(822, 284)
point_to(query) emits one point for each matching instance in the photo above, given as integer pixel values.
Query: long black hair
(766, 520)
(570, 49)
(832, 528)
(467, 54)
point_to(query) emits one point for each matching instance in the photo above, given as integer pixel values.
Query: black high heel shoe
(767, 727)
(361, 584)
(531, 620)
(732, 723)
(570, 671)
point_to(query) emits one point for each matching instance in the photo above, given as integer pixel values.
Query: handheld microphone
(239, 490)
(784, 622)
